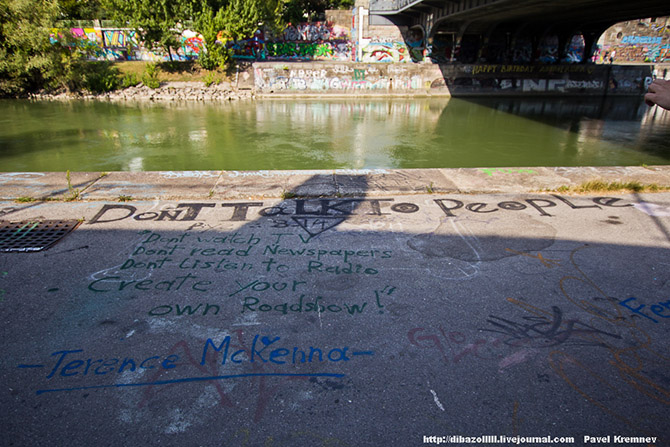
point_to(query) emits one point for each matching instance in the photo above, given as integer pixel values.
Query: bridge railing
(390, 5)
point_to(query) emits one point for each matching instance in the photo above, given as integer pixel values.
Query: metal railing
(390, 5)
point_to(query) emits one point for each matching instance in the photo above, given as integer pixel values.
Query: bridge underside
(505, 31)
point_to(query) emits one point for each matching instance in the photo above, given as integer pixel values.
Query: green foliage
(28, 60)
(208, 21)
(150, 76)
(25, 199)
(129, 80)
(220, 21)
(76, 72)
(153, 20)
(212, 78)
(100, 77)
(241, 18)
(217, 56)
(68, 72)
(81, 9)
(73, 194)
(285, 195)
(593, 186)
(600, 185)
(297, 11)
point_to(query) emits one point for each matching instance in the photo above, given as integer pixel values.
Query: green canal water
(331, 134)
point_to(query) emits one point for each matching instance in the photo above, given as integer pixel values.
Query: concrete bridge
(505, 31)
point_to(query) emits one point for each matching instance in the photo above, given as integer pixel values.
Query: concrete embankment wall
(324, 78)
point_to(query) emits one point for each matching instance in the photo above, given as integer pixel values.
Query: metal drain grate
(33, 235)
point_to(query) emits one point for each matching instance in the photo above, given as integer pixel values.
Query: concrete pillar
(361, 19)
(591, 37)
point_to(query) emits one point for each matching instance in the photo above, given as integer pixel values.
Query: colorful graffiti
(117, 44)
(192, 44)
(642, 40)
(655, 53)
(87, 38)
(318, 41)
(336, 51)
(574, 54)
(637, 41)
(416, 44)
(313, 32)
(253, 48)
(321, 41)
(119, 38)
(385, 52)
(324, 41)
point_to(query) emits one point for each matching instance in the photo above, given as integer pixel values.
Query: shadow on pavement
(340, 321)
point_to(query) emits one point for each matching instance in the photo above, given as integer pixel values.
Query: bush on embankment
(28, 60)
(31, 60)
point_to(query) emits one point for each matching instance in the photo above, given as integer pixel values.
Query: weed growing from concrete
(603, 186)
(73, 194)
(25, 199)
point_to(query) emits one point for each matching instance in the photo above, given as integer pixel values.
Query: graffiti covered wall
(323, 41)
(639, 41)
(455, 80)
(330, 40)
(333, 78)
(534, 80)
(119, 44)
(327, 41)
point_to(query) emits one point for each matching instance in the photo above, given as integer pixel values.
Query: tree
(154, 20)
(297, 11)
(242, 18)
(208, 21)
(28, 59)
(81, 9)
(220, 21)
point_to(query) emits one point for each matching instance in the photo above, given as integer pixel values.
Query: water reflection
(626, 121)
(335, 134)
(135, 165)
(566, 132)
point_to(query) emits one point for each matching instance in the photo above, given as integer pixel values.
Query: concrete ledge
(231, 185)
(44, 185)
(153, 185)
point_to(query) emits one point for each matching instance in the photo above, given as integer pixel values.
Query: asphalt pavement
(334, 308)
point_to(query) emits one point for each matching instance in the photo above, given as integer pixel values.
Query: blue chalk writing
(262, 353)
(103, 366)
(263, 350)
(661, 309)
